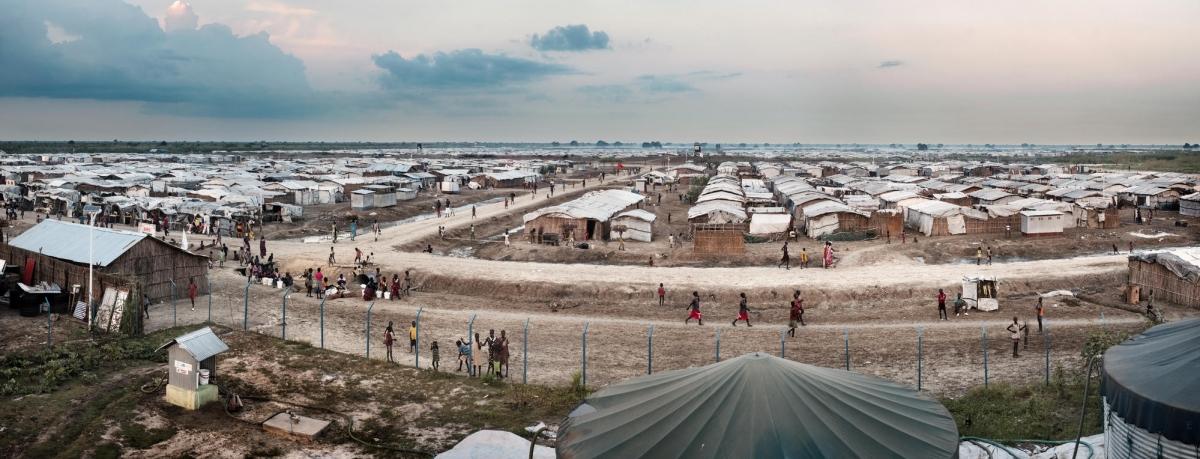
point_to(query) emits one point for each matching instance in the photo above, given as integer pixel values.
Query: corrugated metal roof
(200, 344)
(69, 241)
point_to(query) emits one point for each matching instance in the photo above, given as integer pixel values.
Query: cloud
(615, 93)
(180, 17)
(890, 64)
(575, 37)
(663, 84)
(463, 69)
(120, 53)
(271, 7)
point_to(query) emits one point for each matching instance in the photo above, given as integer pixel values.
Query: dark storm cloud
(463, 69)
(117, 52)
(574, 37)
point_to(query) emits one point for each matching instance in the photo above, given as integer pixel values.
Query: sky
(809, 71)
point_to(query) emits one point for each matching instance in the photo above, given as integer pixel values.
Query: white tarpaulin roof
(735, 212)
(935, 208)
(596, 205)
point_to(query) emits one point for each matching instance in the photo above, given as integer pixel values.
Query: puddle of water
(462, 252)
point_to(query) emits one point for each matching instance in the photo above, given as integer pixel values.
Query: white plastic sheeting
(763, 223)
(596, 205)
(489, 444)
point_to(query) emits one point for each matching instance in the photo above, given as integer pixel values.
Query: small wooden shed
(189, 356)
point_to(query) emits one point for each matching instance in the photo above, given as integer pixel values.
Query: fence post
(583, 360)
(322, 321)
(417, 349)
(246, 306)
(369, 308)
(1047, 344)
(782, 334)
(846, 340)
(983, 344)
(471, 348)
(283, 319)
(718, 344)
(208, 284)
(650, 351)
(174, 309)
(920, 355)
(49, 324)
(525, 355)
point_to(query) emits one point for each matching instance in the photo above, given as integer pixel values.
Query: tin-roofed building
(59, 251)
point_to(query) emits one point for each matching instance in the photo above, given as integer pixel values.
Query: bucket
(387, 295)
(203, 377)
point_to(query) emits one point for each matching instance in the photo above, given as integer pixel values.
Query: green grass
(1166, 161)
(1033, 412)
(44, 370)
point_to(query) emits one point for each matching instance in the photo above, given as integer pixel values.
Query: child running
(694, 306)
(743, 311)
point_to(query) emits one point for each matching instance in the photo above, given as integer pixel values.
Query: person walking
(796, 314)
(472, 211)
(785, 260)
(1041, 312)
(989, 255)
(333, 232)
(828, 255)
(389, 338)
(437, 359)
(1015, 328)
(353, 229)
(941, 299)
(192, 291)
(662, 293)
(960, 305)
(803, 257)
(262, 246)
(978, 256)
(743, 311)
(694, 306)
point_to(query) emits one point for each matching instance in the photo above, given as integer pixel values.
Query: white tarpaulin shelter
(764, 223)
(488, 444)
(638, 225)
(922, 215)
(596, 205)
(1189, 206)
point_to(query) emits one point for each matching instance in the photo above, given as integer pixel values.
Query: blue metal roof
(69, 241)
(200, 344)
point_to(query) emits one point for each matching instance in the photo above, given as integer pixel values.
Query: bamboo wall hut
(61, 251)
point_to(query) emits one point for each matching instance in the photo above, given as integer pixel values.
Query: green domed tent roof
(1153, 380)
(758, 406)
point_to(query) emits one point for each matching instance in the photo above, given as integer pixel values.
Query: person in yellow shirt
(412, 337)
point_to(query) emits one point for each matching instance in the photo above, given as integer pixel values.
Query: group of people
(472, 354)
(374, 284)
(479, 356)
(785, 261)
(795, 310)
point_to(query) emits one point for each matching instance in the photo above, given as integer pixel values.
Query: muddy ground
(882, 336)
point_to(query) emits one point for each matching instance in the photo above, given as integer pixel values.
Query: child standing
(389, 337)
(433, 349)
(412, 337)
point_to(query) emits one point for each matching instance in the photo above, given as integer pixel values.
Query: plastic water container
(204, 377)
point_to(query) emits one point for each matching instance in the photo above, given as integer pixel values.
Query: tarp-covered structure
(1184, 263)
(758, 406)
(587, 217)
(1151, 389)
